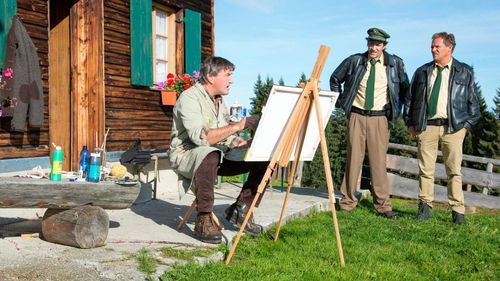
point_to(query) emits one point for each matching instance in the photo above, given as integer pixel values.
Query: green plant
(179, 83)
(146, 262)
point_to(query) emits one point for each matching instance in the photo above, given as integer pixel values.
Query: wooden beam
(179, 41)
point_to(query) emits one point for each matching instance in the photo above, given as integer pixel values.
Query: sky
(281, 38)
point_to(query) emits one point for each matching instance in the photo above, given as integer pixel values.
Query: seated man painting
(203, 145)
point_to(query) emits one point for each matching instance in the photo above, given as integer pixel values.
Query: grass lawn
(374, 249)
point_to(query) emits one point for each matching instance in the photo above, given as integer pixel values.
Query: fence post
(489, 169)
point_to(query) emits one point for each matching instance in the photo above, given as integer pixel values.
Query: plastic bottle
(57, 160)
(84, 163)
(94, 174)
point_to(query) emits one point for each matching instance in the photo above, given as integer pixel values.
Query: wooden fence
(486, 180)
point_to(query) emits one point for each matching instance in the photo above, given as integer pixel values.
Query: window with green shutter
(8, 8)
(192, 40)
(141, 51)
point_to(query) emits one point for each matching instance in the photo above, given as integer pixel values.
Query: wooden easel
(294, 134)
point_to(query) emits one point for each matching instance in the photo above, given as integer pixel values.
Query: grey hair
(212, 66)
(448, 39)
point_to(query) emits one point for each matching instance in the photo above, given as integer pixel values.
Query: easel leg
(328, 174)
(261, 187)
(291, 176)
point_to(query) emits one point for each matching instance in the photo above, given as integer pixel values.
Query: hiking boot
(457, 217)
(423, 211)
(389, 215)
(236, 214)
(206, 230)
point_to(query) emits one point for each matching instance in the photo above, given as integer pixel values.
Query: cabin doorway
(60, 123)
(76, 77)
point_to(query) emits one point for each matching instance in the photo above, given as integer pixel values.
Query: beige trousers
(372, 133)
(451, 145)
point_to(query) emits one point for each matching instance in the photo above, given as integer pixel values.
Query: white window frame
(171, 42)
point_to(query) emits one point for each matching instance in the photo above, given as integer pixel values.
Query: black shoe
(423, 212)
(389, 215)
(206, 230)
(457, 217)
(236, 213)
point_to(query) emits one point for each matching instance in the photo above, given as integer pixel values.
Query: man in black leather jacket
(442, 107)
(375, 84)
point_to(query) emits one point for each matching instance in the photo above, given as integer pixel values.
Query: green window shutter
(192, 40)
(8, 8)
(141, 46)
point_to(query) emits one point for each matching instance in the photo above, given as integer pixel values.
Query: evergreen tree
(496, 100)
(281, 82)
(261, 91)
(489, 143)
(335, 132)
(479, 141)
(302, 79)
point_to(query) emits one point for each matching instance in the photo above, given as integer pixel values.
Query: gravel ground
(40, 260)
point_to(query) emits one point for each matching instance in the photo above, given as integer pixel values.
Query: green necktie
(370, 86)
(433, 101)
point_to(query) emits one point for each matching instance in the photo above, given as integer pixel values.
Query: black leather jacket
(351, 71)
(463, 105)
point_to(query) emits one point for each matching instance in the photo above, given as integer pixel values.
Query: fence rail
(408, 188)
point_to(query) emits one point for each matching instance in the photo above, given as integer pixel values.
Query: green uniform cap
(377, 34)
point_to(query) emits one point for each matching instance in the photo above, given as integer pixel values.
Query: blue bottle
(94, 174)
(84, 162)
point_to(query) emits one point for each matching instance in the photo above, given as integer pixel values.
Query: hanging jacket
(25, 88)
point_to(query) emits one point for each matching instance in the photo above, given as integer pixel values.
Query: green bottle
(57, 160)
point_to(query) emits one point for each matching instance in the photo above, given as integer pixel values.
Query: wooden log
(82, 227)
(18, 192)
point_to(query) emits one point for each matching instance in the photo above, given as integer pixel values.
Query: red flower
(177, 83)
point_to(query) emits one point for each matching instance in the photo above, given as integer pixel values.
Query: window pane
(161, 71)
(161, 23)
(161, 48)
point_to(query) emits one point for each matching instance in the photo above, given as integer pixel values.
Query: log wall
(135, 112)
(130, 112)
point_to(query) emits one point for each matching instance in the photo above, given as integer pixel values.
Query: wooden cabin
(99, 61)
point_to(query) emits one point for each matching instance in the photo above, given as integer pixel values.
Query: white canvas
(274, 117)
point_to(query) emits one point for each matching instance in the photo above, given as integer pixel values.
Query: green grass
(374, 249)
(239, 179)
(146, 262)
(188, 254)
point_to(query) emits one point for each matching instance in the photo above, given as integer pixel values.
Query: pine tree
(496, 100)
(489, 143)
(261, 91)
(281, 82)
(480, 140)
(302, 79)
(335, 132)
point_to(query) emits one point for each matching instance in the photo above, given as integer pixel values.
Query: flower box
(168, 97)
